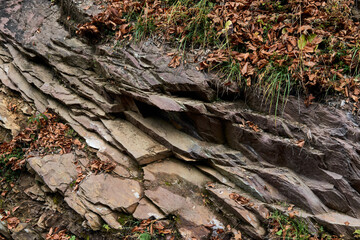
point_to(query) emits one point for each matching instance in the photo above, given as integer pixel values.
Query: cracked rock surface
(168, 138)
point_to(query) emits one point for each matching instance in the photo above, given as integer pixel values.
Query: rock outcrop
(169, 139)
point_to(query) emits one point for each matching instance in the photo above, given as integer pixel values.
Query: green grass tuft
(276, 83)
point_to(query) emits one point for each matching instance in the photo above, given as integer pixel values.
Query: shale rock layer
(169, 138)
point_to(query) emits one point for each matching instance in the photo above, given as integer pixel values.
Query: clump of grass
(355, 60)
(38, 119)
(230, 70)
(276, 83)
(198, 30)
(143, 28)
(182, 21)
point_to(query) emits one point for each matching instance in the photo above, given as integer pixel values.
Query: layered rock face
(168, 136)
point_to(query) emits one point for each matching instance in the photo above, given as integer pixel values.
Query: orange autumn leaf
(175, 62)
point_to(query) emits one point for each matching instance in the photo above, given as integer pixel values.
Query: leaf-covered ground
(278, 45)
(45, 134)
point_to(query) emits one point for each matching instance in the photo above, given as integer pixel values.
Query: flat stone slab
(136, 143)
(117, 194)
(57, 171)
(169, 169)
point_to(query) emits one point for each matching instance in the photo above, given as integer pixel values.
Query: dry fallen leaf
(175, 62)
(15, 208)
(239, 199)
(237, 236)
(308, 100)
(12, 222)
(253, 126)
(300, 143)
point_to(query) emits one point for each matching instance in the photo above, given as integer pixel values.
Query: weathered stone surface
(35, 192)
(339, 223)
(194, 215)
(274, 149)
(136, 143)
(51, 69)
(57, 171)
(118, 194)
(329, 195)
(250, 214)
(12, 119)
(183, 143)
(209, 128)
(175, 188)
(95, 126)
(74, 201)
(146, 209)
(172, 169)
(93, 220)
(129, 69)
(165, 103)
(294, 188)
(251, 183)
(109, 217)
(91, 212)
(216, 175)
(347, 191)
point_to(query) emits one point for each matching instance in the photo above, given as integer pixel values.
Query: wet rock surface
(168, 139)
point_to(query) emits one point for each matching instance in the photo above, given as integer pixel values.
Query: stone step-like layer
(136, 143)
(184, 144)
(248, 214)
